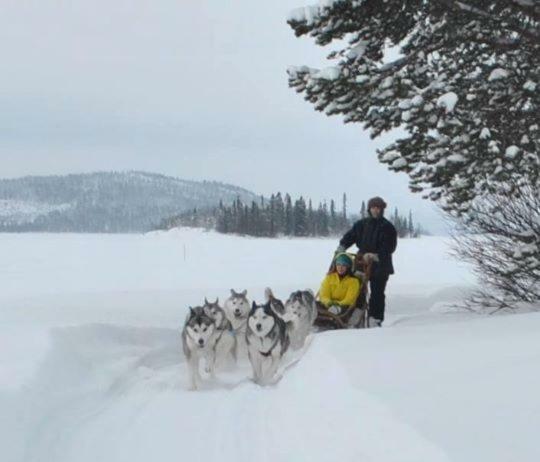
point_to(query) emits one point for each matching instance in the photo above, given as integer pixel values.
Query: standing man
(376, 238)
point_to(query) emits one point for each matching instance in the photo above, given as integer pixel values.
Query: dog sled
(355, 316)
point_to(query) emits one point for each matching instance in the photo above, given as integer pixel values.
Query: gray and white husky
(300, 313)
(267, 341)
(237, 310)
(225, 339)
(198, 338)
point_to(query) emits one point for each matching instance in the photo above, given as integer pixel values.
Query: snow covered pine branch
(464, 87)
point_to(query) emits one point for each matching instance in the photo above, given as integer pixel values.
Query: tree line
(282, 216)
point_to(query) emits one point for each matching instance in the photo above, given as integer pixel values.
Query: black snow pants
(377, 286)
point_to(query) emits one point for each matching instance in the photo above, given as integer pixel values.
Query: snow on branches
(463, 86)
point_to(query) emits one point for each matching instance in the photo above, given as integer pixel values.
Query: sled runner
(356, 315)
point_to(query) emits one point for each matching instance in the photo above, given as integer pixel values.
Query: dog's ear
(217, 301)
(206, 301)
(253, 306)
(268, 294)
(233, 293)
(191, 311)
(243, 293)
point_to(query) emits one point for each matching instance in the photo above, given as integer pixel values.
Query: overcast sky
(190, 88)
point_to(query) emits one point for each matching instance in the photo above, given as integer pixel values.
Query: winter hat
(376, 202)
(344, 259)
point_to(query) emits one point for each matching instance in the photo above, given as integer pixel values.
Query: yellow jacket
(339, 291)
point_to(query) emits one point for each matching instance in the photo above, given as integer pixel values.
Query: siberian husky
(300, 314)
(267, 341)
(237, 310)
(225, 340)
(198, 338)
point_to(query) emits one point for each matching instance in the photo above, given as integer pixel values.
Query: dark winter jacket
(374, 235)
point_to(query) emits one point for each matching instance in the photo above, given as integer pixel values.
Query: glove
(359, 275)
(370, 257)
(334, 309)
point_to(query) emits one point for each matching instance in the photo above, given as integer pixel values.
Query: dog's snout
(258, 326)
(201, 342)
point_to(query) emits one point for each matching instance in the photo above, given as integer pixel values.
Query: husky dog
(237, 310)
(198, 338)
(225, 340)
(300, 314)
(275, 303)
(267, 341)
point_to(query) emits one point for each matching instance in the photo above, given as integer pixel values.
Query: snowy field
(91, 365)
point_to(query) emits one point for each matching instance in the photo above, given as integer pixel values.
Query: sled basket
(348, 318)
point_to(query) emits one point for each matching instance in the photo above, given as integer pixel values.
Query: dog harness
(269, 352)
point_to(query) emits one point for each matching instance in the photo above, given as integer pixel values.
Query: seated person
(340, 289)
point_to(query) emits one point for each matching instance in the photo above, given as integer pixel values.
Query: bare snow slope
(91, 369)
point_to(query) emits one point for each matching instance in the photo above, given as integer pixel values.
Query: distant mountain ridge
(113, 202)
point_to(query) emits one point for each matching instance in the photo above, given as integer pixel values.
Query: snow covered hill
(104, 202)
(91, 368)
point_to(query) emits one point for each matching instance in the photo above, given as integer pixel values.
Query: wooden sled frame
(328, 320)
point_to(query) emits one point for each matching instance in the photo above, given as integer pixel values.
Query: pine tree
(332, 225)
(254, 225)
(280, 214)
(300, 218)
(272, 216)
(363, 212)
(465, 88)
(343, 221)
(323, 219)
(395, 217)
(312, 220)
(411, 225)
(244, 220)
(289, 217)
(238, 209)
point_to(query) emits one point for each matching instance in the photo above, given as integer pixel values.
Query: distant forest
(281, 216)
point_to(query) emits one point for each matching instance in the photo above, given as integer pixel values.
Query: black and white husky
(300, 313)
(267, 341)
(225, 339)
(198, 338)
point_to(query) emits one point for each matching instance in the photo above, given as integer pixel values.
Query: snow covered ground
(91, 368)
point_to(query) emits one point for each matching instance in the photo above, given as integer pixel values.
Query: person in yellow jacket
(339, 289)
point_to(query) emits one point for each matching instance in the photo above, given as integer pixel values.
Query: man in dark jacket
(376, 238)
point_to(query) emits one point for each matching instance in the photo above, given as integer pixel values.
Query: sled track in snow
(92, 369)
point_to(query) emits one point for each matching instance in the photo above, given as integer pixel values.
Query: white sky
(189, 88)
